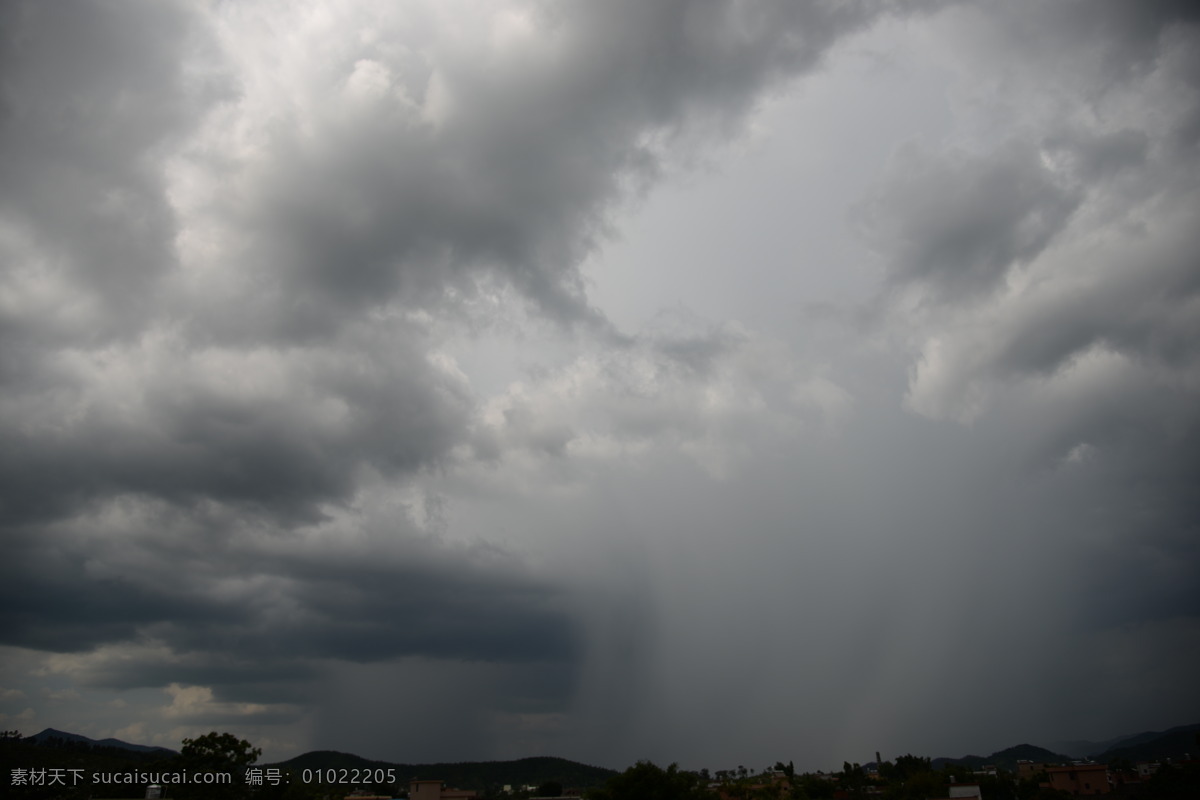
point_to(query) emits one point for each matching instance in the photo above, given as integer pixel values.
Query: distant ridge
(1082, 748)
(1005, 759)
(1149, 744)
(1172, 743)
(50, 734)
(331, 759)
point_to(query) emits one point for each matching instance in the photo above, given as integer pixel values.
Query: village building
(1080, 779)
(437, 790)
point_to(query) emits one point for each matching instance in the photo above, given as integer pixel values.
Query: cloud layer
(309, 414)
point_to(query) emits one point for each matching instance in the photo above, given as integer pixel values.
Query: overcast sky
(718, 383)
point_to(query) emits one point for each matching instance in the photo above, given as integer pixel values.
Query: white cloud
(190, 702)
(716, 394)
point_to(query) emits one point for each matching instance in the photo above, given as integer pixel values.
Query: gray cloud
(389, 596)
(957, 224)
(94, 98)
(458, 165)
(1128, 38)
(1080, 359)
(243, 393)
(249, 267)
(384, 196)
(209, 359)
(167, 420)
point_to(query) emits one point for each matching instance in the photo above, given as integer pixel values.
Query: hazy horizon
(1070, 749)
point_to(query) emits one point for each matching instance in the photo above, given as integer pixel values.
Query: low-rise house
(1080, 779)
(437, 790)
(1028, 769)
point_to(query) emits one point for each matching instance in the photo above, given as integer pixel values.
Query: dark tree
(1174, 782)
(646, 781)
(211, 757)
(908, 765)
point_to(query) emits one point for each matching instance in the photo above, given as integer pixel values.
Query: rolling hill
(1175, 743)
(1005, 759)
(50, 735)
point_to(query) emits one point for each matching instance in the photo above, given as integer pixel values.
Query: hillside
(51, 737)
(331, 759)
(59, 749)
(65, 754)
(1005, 759)
(1084, 748)
(1174, 743)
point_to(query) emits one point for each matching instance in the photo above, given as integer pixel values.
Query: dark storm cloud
(355, 602)
(957, 223)
(1127, 35)
(1103, 155)
(237, 251)
(73, 611)
(1144, 313)
(1063, 269)
(215, 278)
(455, 610)
(517, 176)
(248, 373)
(94, 95)
(1123, 460)
(277, 432)
(1075, 239)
